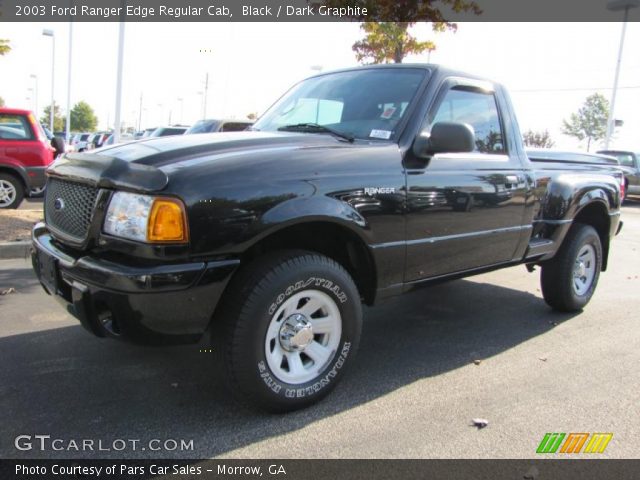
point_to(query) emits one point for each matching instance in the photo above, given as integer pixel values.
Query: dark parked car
(630, 164)
(548, 155)
(98, 139)
(347, 191)
(212, 125)
(166, 131)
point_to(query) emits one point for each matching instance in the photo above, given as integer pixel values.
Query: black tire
(255, 296)
(557, 277)
(18, 191)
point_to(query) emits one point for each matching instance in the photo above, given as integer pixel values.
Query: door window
(477, 109)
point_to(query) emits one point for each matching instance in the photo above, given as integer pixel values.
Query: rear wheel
(291, 324)
(570, 278)
(11, 191)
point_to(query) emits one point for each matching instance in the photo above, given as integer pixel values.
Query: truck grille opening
(68, 207)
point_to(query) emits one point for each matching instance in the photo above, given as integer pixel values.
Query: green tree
(82, 117)
(590, 122)
(385, 42)
(58, 119)
(537, 139)
(389, 40)
(4, 47)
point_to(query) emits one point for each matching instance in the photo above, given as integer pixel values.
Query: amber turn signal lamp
(167, 222)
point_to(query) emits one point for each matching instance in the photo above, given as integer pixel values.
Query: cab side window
(15, 127)
(475, 108)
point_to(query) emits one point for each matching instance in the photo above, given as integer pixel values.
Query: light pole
(35, 77)
(116, 130)
(204, 101)
(616, 6)
(67, 126)
(49, 33)
(140, 113)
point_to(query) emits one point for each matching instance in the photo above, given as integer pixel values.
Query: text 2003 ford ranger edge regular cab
(356, 185)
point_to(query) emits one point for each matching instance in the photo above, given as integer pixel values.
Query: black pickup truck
(354, 186)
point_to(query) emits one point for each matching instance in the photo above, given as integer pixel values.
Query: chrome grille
(68, 207)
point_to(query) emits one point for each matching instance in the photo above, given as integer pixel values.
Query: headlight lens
(146, 219)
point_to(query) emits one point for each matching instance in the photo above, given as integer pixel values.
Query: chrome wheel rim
(303, 337)
(7, 193)
(584, 269)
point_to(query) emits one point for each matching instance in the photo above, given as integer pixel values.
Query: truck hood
(144, 165)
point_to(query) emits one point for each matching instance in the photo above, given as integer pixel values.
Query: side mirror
(58, 145)
(445, 137)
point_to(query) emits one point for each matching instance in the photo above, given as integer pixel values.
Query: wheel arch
(16, 172)
(596, 214)
(328, 236)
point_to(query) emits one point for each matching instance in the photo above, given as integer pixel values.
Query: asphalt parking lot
(412, 392)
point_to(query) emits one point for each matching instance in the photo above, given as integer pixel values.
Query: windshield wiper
(316, 128)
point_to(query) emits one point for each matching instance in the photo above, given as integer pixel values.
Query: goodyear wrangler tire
(569, 279)
(292, 323)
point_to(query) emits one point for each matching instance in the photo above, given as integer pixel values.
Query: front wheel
(292, 324)
(570, 278)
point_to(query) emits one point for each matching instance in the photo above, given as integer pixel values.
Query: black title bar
(315, 10)
(536, 469)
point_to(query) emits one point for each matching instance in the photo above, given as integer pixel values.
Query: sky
(549, 68)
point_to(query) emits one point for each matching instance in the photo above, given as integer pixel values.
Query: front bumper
(158, 304)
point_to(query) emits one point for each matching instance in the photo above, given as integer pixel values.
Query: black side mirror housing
(445, 137)
(58, 145)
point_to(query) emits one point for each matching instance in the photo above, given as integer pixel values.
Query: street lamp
(35, 77)
(49, 33)
(67, 126)
(616, 6)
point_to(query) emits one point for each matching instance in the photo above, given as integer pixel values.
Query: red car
(25, 153)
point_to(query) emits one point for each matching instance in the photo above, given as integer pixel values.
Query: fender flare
(16, 169)
(302, 210)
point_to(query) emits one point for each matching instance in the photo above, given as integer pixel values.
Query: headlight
(146, 219)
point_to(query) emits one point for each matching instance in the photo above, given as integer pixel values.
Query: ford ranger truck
(355, 186)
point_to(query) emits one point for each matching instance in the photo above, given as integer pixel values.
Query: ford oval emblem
(58, 204)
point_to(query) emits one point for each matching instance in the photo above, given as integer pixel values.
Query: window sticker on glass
(384, 134)
(388, 113)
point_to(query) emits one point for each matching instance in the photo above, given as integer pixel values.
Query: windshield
(203, 126)
(165, 132)
(625, 159)
(366, 104)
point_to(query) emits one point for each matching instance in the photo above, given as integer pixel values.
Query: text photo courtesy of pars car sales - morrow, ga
(319, 239)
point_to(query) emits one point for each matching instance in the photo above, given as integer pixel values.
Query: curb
(15, 249)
